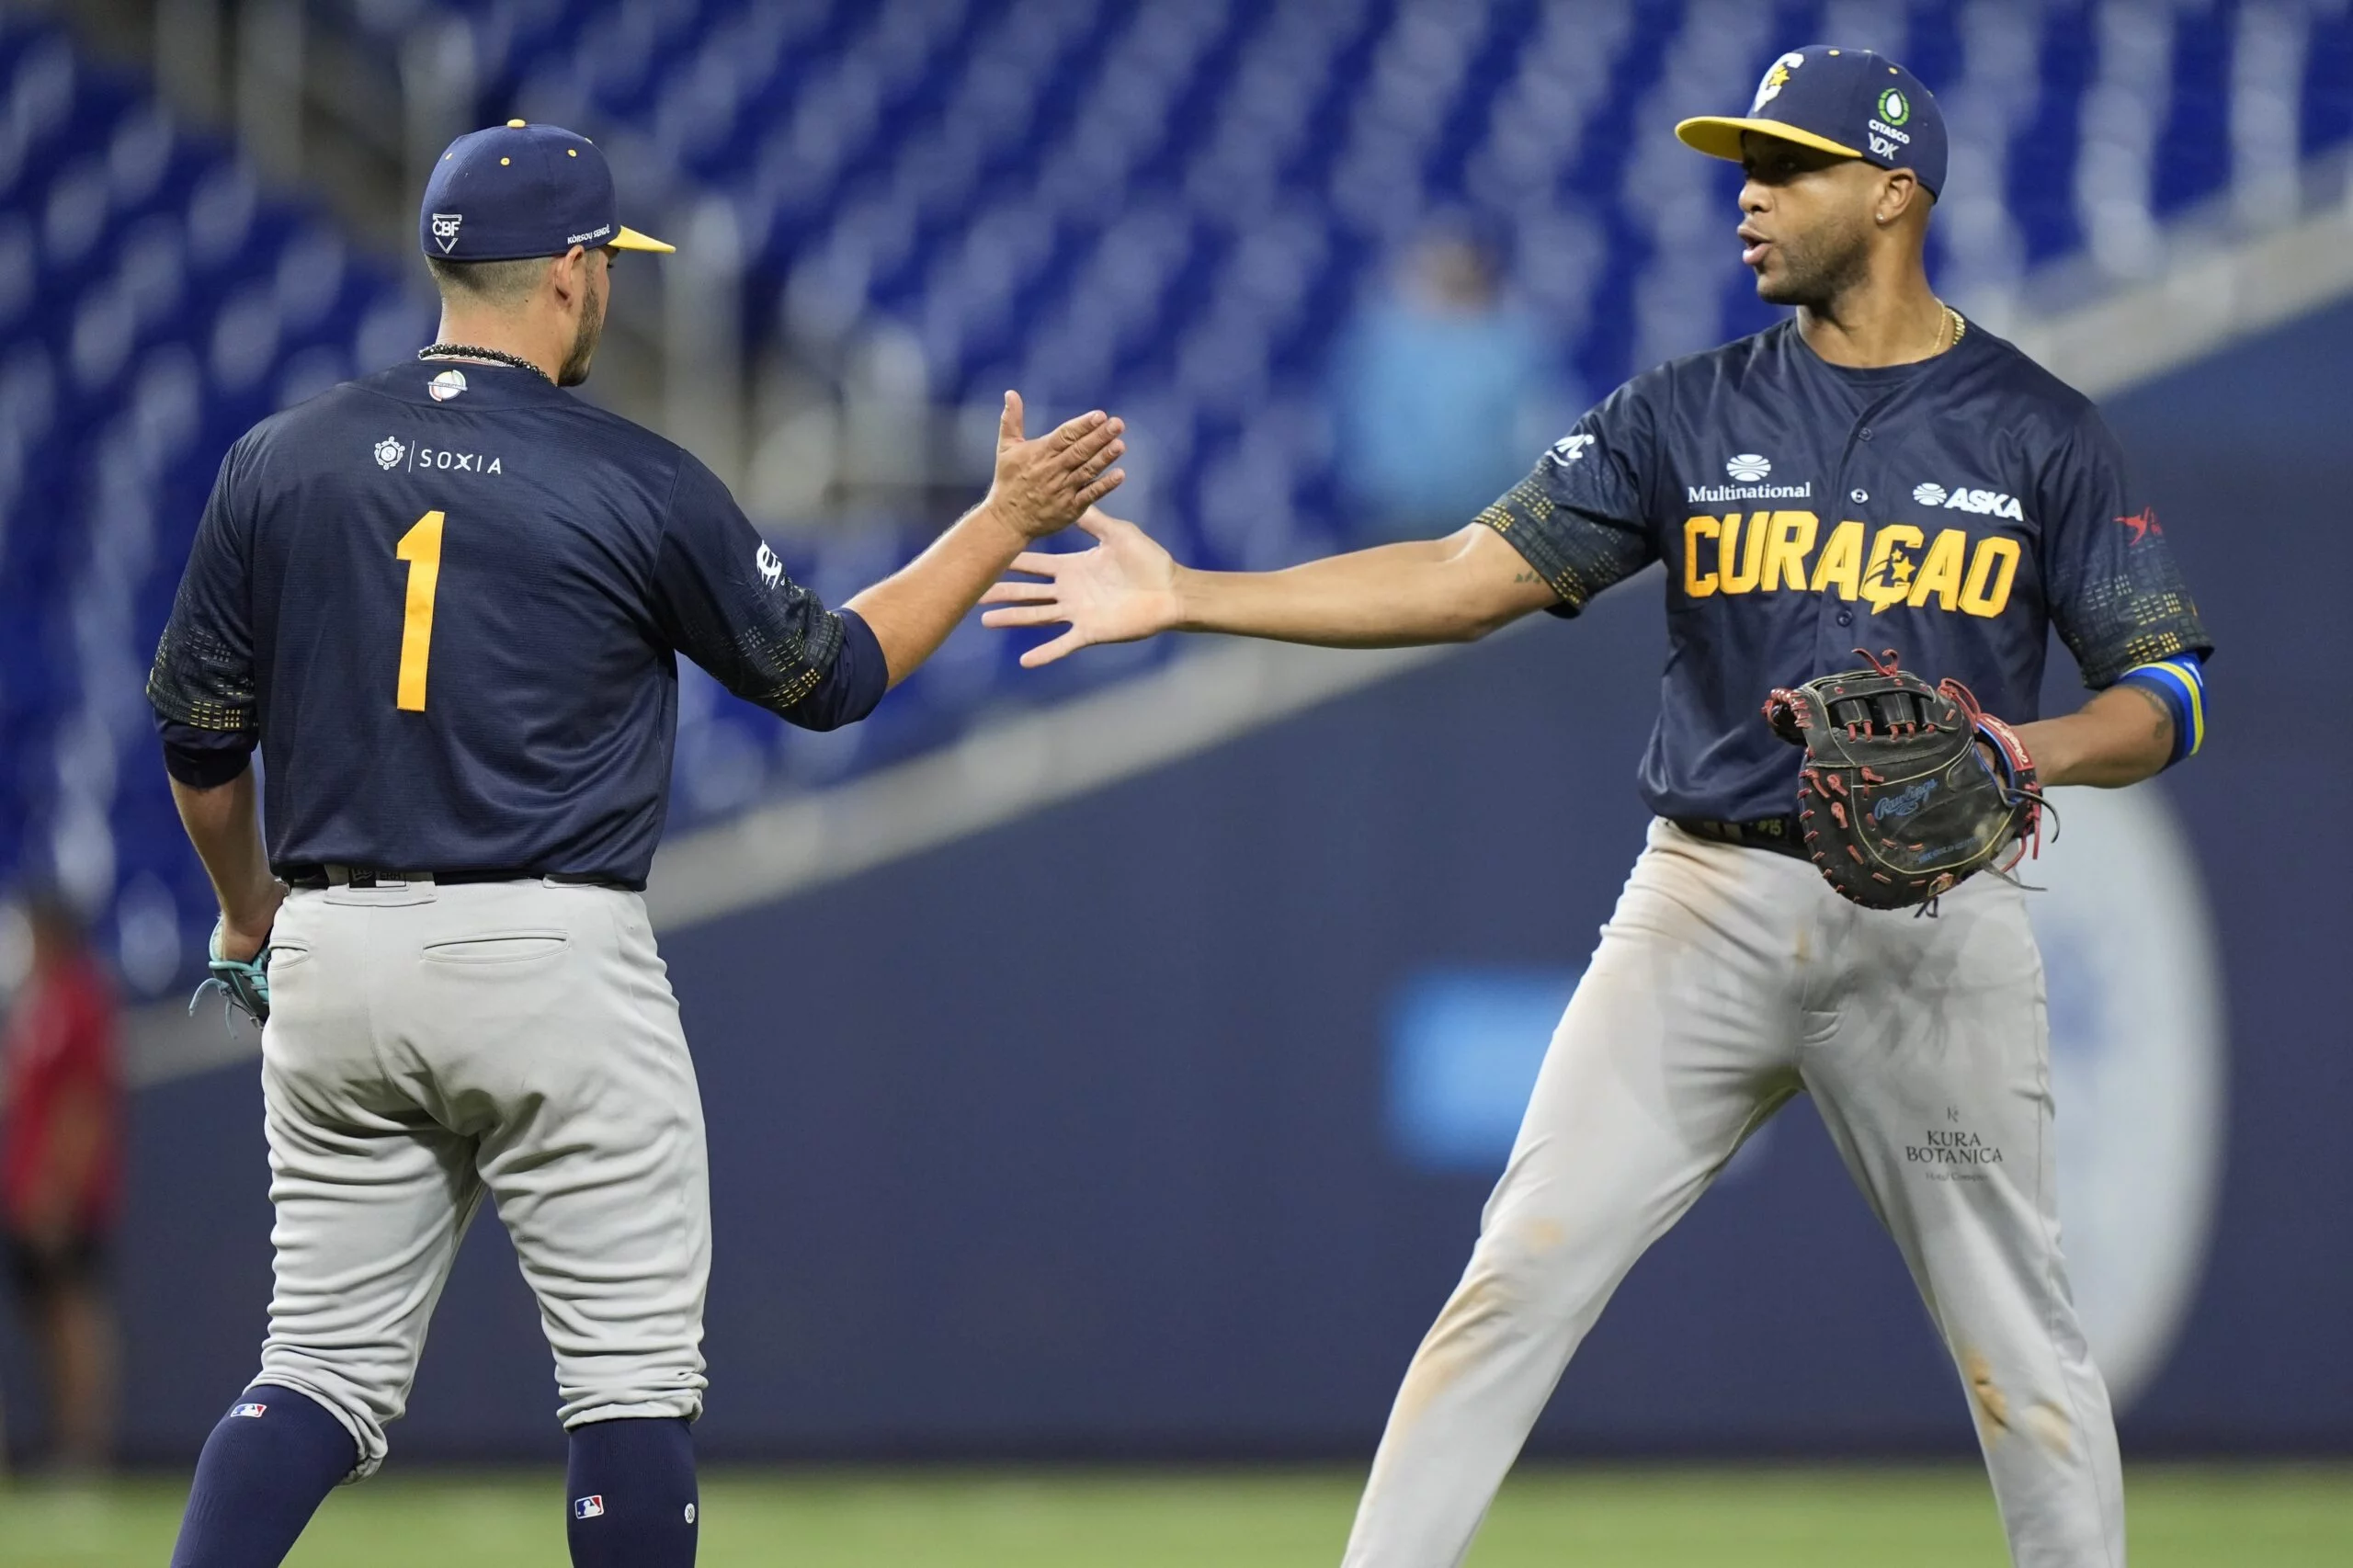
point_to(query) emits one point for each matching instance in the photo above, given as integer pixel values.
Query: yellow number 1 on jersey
(421, 548)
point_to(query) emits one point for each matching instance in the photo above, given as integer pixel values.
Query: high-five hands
(1042, 486)
(1123, 589)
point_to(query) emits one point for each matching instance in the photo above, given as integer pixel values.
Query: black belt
(1783, 835)
(336, 875)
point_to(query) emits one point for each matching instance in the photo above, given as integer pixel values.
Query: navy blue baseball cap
(518, 190)
(1849, 101)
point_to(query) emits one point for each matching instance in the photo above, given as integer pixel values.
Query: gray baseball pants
(430, 1044)
(1727, 980)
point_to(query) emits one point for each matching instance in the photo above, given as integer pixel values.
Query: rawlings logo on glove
(1897, 796)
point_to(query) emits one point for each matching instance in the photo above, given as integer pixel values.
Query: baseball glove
(243, 986)
(1898, 800)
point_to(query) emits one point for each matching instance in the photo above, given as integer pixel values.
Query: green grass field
(2268, 1516)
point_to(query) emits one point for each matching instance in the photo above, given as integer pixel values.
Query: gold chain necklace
(1950, 323)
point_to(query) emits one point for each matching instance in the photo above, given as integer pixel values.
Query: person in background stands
(61, 1178)
(1439, 387)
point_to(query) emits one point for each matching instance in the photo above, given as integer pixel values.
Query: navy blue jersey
(1953, 510)
(446, 600)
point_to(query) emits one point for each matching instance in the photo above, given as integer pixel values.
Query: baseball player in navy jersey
(1876, 472)
(447, 601)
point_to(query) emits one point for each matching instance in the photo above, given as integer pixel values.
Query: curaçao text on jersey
(1898, 564)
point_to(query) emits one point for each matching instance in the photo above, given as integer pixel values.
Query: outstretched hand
(1042, 486)
(1123, 589)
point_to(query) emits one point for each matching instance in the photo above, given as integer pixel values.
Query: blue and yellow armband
(2181, 684)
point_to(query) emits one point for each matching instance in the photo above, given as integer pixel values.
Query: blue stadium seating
(153, 303)
(1170, 207)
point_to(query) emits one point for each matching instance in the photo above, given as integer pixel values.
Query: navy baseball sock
(264, 1470)
(630, 1494)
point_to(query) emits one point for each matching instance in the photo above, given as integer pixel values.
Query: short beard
(575, 369)
(1818, 272)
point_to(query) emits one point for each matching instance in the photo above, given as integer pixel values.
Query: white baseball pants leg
(428, 1045)
(1727, 980)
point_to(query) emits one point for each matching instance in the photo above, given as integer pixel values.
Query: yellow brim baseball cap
(1718, 135)
(1849, 103)
(517, 190)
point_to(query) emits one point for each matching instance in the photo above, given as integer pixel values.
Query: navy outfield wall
(1083, 1135)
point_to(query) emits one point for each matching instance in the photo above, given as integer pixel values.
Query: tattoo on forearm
(2157, 703)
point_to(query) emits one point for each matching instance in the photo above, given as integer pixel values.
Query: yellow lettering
(1841, 565)
(1752, 560)
(421, 548)
(1940, 573)
(1991, 572)
(1785, 555)
(1699, 584)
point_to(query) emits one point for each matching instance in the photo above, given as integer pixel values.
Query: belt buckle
(369, 877)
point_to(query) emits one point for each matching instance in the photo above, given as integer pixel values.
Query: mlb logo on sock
(588, 1508)
(248, 1410)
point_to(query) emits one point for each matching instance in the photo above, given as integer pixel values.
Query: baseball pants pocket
(498, 947)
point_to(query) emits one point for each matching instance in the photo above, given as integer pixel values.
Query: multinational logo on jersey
(1960, 498)
(445, 230)
(1748, 470)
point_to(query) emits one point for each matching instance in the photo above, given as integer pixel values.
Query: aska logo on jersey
(1569, 449)
(771, 569)
(389, 453)
(1960, 498)
(1898, 564)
